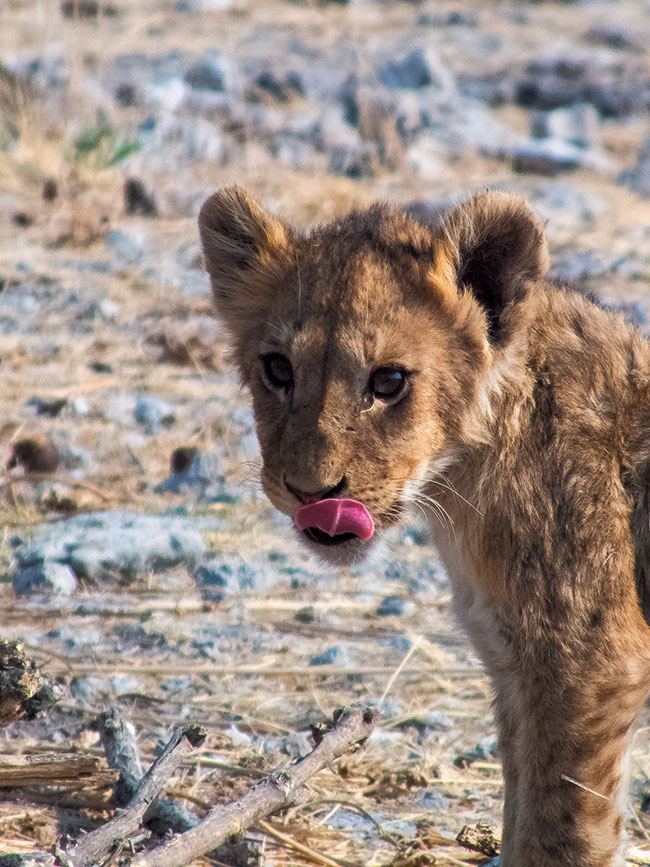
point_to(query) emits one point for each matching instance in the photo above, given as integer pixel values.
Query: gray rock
(413, 70)
(180, 138)
(578, 125)
(43, 576)
(193, 473)
(637, 178)
(153, 413)
(615, 36)
(360, 161)
(50, 407)
(392, 606)
(127, 248)
(553, 82)
(548, 157)
(399, 642)
(209, 73)
(102, 545)
(495, 89)
(203, 5)
(337, 655)
(432, 799)
(212, 580)
(86, 691)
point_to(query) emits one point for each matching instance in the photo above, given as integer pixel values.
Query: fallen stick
(278, 791)
(118, 737)
(45, 770)
(96, 845)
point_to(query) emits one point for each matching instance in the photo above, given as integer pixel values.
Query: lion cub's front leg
(565, 712)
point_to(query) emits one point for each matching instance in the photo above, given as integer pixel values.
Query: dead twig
(93, 847)
(278, 791)
(44, 770)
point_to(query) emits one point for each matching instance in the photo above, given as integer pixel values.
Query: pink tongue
(334, 516)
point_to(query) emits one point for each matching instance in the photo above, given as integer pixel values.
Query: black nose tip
(315, 496)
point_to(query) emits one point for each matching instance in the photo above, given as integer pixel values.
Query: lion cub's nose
(315, 496)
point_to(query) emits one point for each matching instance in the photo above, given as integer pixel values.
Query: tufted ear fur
(247, 253)
(498, 251)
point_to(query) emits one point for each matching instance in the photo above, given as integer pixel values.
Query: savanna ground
(98, 306)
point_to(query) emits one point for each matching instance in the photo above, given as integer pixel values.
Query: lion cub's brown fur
(525, 425)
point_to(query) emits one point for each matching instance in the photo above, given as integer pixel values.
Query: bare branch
(97, 844)
(280, 790)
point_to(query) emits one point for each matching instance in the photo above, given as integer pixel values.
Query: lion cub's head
(368, 344)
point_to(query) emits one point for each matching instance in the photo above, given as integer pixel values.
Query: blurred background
(140, 564)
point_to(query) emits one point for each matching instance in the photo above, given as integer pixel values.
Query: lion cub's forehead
(351, 311)
(359, 286)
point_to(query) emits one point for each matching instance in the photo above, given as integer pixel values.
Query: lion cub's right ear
(247, 253)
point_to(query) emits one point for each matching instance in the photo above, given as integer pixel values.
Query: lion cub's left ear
(247, 253)
(498, 251)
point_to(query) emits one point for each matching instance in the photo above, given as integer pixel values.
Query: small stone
(50, 189)
(208, 74)
(34, 455)
(238, 738)
(212, 580)
(614, 36)
(49, 407)
(360, 161)
(391, 606)
(22, 219)
(193, 472)
(411, 71)
(432, 799)
(44, 577)
(87, 691)
(305, 615)
(87, 9)
(138, 201)
(153, 414)
(280, 89)
(548, 157)
(80, 406)
(127, 248)
(578, 125)
(108, 309)
(126, 95)
(337, 655)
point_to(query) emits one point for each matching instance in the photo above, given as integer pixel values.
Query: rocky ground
(140, 564)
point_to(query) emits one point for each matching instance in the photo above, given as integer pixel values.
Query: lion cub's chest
(470, 601)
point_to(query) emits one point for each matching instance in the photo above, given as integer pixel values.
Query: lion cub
(391, 362)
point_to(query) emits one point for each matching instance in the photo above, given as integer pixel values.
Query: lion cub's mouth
(334, 521)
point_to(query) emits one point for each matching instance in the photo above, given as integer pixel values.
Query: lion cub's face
(362, 355)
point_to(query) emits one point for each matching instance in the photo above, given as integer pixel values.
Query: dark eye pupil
(278, 370)
(387, 381)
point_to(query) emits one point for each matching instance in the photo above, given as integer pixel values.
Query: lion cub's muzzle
(334, 521)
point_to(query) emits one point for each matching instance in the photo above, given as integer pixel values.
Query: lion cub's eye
(278, 370)
(387, 382)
